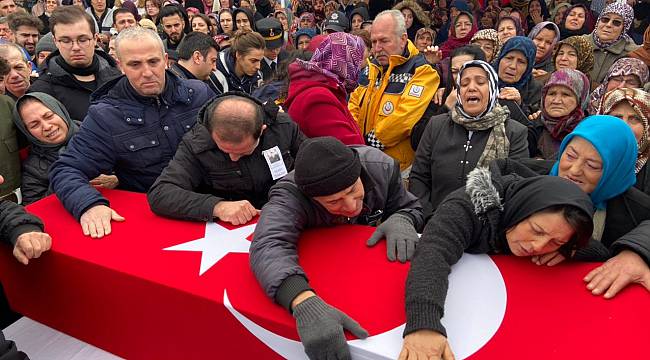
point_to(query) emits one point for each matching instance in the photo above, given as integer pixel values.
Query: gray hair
(137, 33)
(396, 15)
(5, 49)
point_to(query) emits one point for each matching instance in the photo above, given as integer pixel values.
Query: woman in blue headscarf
(514, 66)
(600, 157)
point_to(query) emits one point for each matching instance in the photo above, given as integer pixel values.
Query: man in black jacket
(197, 59)
(225, 166)
(25, 233)
(331, 184)
(76, 69)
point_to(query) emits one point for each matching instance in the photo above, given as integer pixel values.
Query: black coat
(627, 225)
(446, 155)
(201, 175)
(267, 73)
(14, 221)
(63, 86)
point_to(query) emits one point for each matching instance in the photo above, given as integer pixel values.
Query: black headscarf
(249, 15)
(587, 26)
(520, 198)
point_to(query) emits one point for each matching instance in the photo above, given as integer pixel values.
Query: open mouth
(473, 100)
(52, 134)
(574, 180)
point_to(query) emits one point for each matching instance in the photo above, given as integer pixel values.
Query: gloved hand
(320, 327)
(400, 235)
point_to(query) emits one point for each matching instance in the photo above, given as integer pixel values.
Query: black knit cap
(325, 166)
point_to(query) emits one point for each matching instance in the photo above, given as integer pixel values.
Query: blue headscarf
(528, 48)
(616, 144)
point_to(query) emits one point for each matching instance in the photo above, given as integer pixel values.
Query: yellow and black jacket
(388, 102)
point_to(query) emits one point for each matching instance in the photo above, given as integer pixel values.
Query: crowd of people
(518, 127)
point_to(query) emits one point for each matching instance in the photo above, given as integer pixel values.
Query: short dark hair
(471, 50)
(195, 41)
(121, 11)
(171, 10)
(69, 15)
(205, 18)
(4, 67)
(17, 20)
(234, 127)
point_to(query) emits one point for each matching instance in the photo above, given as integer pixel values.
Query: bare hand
(425, 344)
(96, 221)
(534, 116)
(31, 245)
(536, 16)
(433, 54)
(550, 259)
(616, 273)
(235, 212)
(105, 181)
(510, 93)
(451, 100)
(437, 97)
(537, 73)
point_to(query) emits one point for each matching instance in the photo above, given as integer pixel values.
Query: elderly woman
(633, 107)
(575, 52)
(47, 126)
(424, 38)
(563, 99)
(492, 214)
(462, 29)
(577, 21)
(600, 156)
(515, 68)
(476, 131)
(321, 86)
(508, 27)
(625, 73)
(488, 41)
(609, 38)
(545, 35)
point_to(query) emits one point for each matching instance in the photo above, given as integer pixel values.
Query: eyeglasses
(615, 22)
(83, 42)
(632, 81)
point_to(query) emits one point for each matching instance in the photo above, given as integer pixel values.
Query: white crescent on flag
(475, 307)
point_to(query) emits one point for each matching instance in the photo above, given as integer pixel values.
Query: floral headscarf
(640, 101)
(339, 57)
(489, 34)
(527, 47)
(622, 67)
(578, 84)
(583, 47)
(619, 8)
(538, 28)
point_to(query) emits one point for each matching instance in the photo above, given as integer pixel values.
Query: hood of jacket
(361, 10)
(302, 79)
(419, 13)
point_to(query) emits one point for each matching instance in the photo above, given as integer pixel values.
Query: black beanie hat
(325, 166)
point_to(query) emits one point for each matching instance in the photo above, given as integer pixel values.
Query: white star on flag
(217, 243)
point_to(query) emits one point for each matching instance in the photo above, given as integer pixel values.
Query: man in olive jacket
(225, 166)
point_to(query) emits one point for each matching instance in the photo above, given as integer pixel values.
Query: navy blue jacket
(130, 135)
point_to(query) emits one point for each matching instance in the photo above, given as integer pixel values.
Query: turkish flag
(158, 288)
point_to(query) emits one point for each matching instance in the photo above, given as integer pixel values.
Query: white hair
(137, 33)
(396, 15)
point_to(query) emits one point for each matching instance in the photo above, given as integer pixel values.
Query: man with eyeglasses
(133, 128)
(76, 69)
(5, 31)
(225, 166)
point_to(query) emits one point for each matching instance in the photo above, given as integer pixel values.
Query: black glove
(320, 327)
(400, 235)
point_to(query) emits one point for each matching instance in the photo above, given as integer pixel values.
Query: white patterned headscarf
(493, 83)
